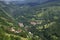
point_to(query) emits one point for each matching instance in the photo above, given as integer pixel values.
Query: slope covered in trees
(40, 22)
(8, 27)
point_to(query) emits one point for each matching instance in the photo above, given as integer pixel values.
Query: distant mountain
(26, 2)
(29, 2)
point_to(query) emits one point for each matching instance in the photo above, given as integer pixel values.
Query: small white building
(21, 24)
(30, 34)
(33, 23)
(12, 29)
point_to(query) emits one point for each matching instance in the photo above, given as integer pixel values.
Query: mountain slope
(49, 15)
(41, 22)
(6, 23)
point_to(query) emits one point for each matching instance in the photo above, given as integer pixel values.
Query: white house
(12, 29)
(33, 23)
(21, 24)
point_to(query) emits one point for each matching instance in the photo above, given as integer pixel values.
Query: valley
(26, 22)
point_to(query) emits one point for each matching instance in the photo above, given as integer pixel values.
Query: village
(21, 25)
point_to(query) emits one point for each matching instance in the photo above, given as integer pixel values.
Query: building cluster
(12, 29)
(15, 31)
(31, 22)
(35, 22)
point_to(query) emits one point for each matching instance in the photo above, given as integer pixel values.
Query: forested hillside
(8, 27)
(25, 22)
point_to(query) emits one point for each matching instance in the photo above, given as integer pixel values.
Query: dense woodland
(40, 22)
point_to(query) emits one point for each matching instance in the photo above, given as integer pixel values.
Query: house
(33, 23)
(21, 24)
(18, 31)
(30, 34)
(12, 29)
(39, 21)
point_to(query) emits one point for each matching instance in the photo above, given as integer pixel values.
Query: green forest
(40, 22)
